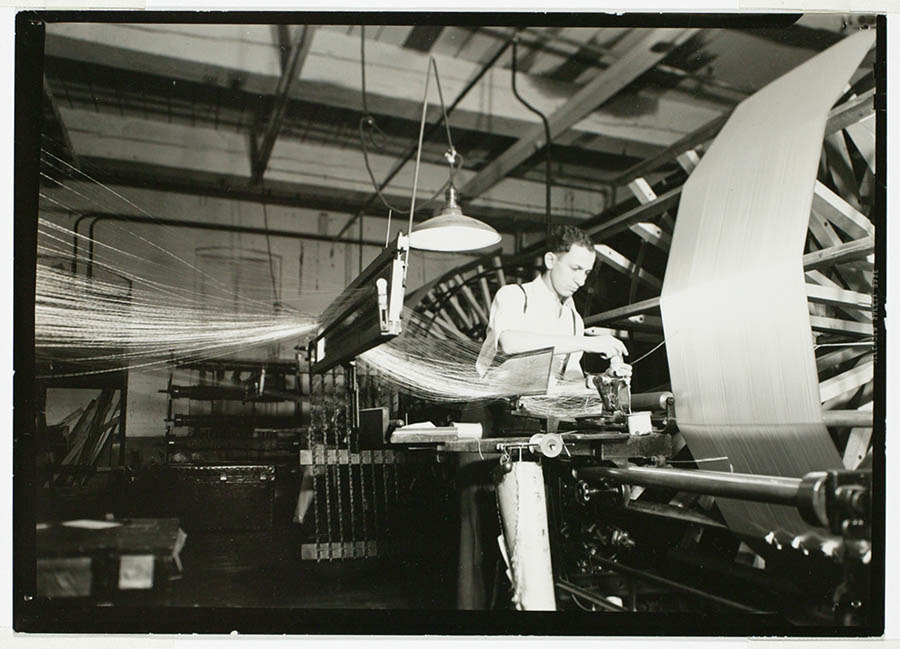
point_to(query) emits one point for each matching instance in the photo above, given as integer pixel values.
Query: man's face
(569, 271)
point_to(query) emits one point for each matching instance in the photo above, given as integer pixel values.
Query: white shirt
(533, 307)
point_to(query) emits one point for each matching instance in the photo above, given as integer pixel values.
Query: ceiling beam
(67, 141)
(645, 211)
(247, 57)
(651, 49)
(671, 153)
(847, 114)
(326, 172)
(261, 151)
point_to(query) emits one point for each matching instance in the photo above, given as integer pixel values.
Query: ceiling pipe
(547, 137)
(75, 241)
(201, 225)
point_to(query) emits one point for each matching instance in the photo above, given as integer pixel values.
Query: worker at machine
(541, 313)
(525, 317)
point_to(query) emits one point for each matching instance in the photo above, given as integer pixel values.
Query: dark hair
(563, 237)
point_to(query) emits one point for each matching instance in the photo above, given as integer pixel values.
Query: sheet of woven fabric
(734, 304)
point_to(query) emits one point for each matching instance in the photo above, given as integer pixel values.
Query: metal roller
(770, 489)
(650, 400)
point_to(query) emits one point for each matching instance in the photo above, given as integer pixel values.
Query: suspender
(574, 329)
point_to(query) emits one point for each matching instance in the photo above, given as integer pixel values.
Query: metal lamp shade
(452, 231)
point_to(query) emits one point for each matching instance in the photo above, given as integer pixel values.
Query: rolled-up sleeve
(507, 313)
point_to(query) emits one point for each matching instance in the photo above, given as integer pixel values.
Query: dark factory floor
(261, 566)
(264, 569)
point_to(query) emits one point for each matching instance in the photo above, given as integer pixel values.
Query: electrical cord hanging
(371, 136)
(547, 137)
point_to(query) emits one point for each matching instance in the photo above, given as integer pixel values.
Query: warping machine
(630, 526)
(724, 492)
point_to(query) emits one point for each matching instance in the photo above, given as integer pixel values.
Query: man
(535, 315)
(542, 313)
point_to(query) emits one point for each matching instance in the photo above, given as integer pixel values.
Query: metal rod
(586, 594)
(75, 241)
(434, 127)
(412, 205)
(768, 489)
(662, 581)
(223, 227)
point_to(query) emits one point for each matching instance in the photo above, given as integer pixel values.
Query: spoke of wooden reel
(649, 232)
(837, 390)
(840, 213)
(458, 281)
(858, 442)
(644, 306)
(827, 361)
(497, 263)
(457, 306)
(862, 134)
(624, 265)
(483, 285)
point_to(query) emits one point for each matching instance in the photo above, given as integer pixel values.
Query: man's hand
(603, 344)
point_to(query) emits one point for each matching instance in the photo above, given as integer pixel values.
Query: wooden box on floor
(106, 559)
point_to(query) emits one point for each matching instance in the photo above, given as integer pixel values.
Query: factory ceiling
(275, 112)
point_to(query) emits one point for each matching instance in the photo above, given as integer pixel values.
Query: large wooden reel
(633, 239)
